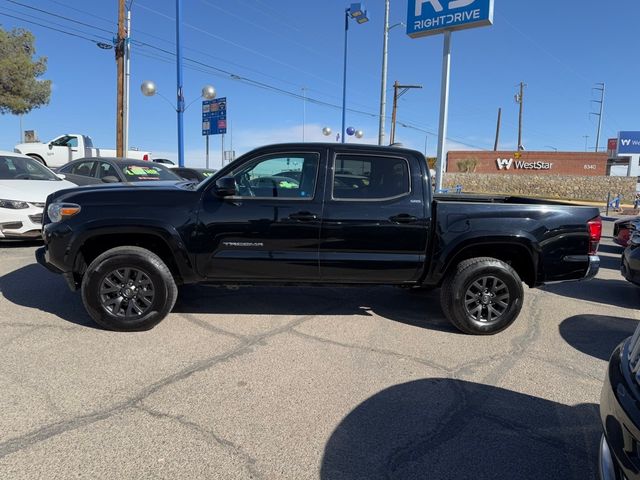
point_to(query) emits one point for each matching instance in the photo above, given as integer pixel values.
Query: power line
(197, 65)
(74, 8)
(51, 28)
(237, 45)
(67, 27)
(59, 16)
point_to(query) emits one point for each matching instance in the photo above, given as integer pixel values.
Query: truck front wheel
(128, 289)
(482, 296)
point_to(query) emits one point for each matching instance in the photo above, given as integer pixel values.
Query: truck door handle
(303, 216)
(403, 218)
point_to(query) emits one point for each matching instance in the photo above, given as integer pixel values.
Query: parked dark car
(622, 230)
(630, 267)
(195, 174)
(620, 413)
(128, 247)
(93, 171)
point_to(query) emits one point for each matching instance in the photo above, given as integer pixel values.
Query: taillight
(595, 234)
(145, 157)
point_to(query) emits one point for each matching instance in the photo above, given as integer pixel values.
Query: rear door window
(84, 169)
(368, 177)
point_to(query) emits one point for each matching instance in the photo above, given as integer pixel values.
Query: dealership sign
(508, 164)
(430, 17)
(629, 143)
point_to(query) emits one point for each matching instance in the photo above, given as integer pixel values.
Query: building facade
(583, 164)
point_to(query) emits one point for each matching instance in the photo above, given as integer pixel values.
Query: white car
(24, 186)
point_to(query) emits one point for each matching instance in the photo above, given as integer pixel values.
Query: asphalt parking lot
(301, 383)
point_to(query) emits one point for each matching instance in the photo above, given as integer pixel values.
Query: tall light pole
(149, 89)
(359, 13)
(180, 95)
(383, 86)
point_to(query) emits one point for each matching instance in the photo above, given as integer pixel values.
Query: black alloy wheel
(487, 299)
(127, 293)
(128, 289)
(482, 296)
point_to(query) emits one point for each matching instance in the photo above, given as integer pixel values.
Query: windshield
(145, 173)
(19, 168)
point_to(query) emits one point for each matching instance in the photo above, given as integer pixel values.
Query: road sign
(214, 116)
(430, 17)
(629, 143)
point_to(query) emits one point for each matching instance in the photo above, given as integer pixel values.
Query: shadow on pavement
(20, 243)
(34, 287)
(418, 309)
(451, 429)
(596, 335)
(610, 262)
(617, 249)
(609, 292)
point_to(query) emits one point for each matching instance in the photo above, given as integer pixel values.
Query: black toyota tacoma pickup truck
(313, 214)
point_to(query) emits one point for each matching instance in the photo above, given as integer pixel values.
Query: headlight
(61, 211)
(14, 204)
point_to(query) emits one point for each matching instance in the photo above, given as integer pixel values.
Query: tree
(20, 89)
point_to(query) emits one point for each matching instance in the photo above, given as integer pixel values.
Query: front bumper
(619, 456)
(24, 223)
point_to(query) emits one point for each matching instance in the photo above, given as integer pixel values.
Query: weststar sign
(507, 164)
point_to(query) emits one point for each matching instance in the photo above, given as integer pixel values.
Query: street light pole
(383, 89)
(359, 13)
(180, 103)
(344, 76)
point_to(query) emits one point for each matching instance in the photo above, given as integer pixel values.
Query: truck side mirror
(225, 187)
(50, 146)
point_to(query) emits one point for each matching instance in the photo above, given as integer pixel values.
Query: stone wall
(593, 189)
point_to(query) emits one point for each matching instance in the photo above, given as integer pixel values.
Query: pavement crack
(48, 431)
(249, 461)
(403, 356)
(212, 328)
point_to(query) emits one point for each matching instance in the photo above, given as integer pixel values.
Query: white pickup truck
(69, 147)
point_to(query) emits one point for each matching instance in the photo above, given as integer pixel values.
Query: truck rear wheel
(482, 296)
(128, 289)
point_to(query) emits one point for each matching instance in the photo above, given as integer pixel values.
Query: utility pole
(520, 100)
(495, 145)
(600, 88)
(127, 82)
(120, 48)
(398, 91)
(383, 89)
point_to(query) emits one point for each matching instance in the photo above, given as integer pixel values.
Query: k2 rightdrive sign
(430, 17)
(628, 143)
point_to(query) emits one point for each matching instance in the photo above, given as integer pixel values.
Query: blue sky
(560, 49)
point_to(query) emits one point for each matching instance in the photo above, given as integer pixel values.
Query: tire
(38, 158)
(147, 297)
(482, 296)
